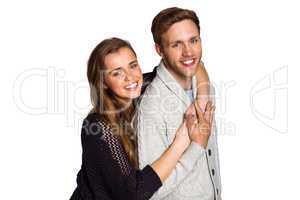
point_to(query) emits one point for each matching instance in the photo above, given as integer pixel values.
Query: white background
(250, 48)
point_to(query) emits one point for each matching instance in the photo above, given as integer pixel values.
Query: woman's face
(123, 74)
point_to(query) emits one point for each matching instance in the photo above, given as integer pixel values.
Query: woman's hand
(199, 122)
(168, 160)
(182, 136)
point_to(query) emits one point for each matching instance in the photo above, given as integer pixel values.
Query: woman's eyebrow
(115, 69)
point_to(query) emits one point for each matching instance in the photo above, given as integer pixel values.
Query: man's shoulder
(148, 78)
(154, 92)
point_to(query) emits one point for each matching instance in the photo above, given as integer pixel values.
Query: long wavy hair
(117, 115)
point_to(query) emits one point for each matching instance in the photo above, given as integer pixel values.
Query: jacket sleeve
(108, 168)
(152, 142)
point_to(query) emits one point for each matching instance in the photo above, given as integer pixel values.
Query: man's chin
(189, 73)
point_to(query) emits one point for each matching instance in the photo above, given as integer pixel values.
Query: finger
(213, 108)
(191, 120)
(212, 114)
(201, 100)
(199, 113)
(207, 115)
(208, 111)
(190, 109)
(208, 105)
(188, 120)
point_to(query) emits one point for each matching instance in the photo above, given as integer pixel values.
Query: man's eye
(133, 66)
(195, 40)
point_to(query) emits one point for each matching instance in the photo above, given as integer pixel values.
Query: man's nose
(187, 50)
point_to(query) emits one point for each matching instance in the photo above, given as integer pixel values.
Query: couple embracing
(150, 136)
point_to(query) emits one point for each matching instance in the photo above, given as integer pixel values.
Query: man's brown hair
(167, 17)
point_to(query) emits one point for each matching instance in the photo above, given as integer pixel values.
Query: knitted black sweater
(106, 173)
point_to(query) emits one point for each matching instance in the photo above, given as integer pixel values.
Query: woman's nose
(128, 77)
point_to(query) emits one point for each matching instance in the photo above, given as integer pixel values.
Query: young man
(176, 34)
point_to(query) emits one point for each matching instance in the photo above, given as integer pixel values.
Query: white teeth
(188, 62)
(132, 85)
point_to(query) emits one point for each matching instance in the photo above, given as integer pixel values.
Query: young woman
(109, 159)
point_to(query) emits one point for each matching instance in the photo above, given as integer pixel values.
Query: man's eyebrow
(180, 41)
(194, 37)
(176, 41)
(133, 62)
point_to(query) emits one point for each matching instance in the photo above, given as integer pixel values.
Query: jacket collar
(171, 83)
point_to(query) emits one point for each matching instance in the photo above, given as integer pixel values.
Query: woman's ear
(105, 86)
(102, 84)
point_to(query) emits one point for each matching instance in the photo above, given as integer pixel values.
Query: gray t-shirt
(190, 94)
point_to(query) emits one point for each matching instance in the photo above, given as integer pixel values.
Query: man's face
(181, 49)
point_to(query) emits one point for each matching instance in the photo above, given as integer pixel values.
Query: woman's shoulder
(93, 116)
(94, 125)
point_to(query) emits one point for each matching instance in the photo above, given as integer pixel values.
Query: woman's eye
(175, 45)
(116, 73)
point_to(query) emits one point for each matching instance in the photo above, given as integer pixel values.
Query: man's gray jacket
(158, 116)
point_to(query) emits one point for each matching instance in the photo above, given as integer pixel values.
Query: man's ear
(158, 50)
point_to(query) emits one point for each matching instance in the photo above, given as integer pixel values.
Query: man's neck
(184, 82)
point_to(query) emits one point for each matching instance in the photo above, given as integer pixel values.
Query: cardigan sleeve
(106, 161)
